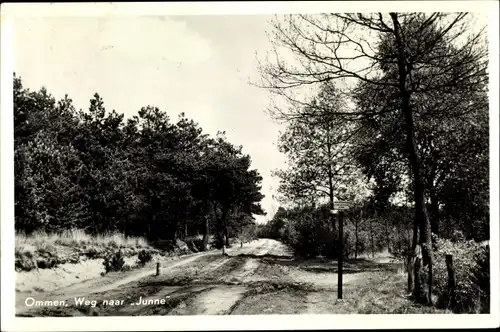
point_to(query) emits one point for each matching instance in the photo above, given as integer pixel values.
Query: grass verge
(44, 250)
(381, 293)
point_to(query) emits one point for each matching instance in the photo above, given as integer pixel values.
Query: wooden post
(452, 281)
(409, 270)
(341, 253)
(417, 290)
(158, 268)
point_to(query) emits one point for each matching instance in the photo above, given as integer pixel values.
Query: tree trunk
(223, 234)
(452, 282)
(332, 216)
(226, 235)
(206, 235)
(410, 265)
(415, 235)
(371, 238)
(330, 186)
(421, 215)
(397, 245)
(356, 238)
(434, 212)
(411, 256)
(417, 291)
(387, 239)
(220, 239)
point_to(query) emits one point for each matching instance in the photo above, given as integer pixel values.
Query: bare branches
(322, 50)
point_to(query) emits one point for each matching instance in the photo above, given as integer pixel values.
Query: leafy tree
(231, 184)
(47, 193)
(318, 150)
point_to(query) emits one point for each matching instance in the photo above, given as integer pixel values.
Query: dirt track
(262, 277)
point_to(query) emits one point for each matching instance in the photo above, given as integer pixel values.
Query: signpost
(340, 206)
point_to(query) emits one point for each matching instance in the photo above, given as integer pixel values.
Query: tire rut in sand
(214, 265)
(133, 309)
(174, 300)
(246, 268)
(258, 302)
(216, 301)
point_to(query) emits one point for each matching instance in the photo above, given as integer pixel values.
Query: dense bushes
(308, 231)
(114, 262)
(471, 263)
(144, 257)
(481, 277)
(310, 237)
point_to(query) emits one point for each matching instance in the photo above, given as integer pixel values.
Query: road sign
(342, 205)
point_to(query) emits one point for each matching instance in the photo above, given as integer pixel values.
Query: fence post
(158, 268)
(417, 291)
(409, 270)
(452, 281)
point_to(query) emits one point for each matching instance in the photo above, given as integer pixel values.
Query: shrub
(310, 236)
(92, 252)
(144, 257)
(471, 262)
(126, 267)
(114, 262)
(481, 277)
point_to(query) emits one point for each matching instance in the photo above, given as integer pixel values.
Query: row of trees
(381, 104)
(145, 176)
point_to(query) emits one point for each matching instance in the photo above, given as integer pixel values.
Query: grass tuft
(77, 237)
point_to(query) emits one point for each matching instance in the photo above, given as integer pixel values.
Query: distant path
(261, 277)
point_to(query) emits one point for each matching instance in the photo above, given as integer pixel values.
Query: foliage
(318, 162)
(144, 257)
(275, 226)
(248, 233)
(114, 262)
(471, 262)
(481, 277)
(311, 237)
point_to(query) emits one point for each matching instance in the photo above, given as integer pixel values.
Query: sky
(199, 65)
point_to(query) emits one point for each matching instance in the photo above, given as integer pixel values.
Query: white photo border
(11, 11)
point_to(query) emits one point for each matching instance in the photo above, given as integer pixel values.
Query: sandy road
(260, 277)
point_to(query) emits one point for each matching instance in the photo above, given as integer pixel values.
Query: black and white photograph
(193, 160)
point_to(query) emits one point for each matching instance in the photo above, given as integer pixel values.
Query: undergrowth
(471, 263)
(46, 250)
